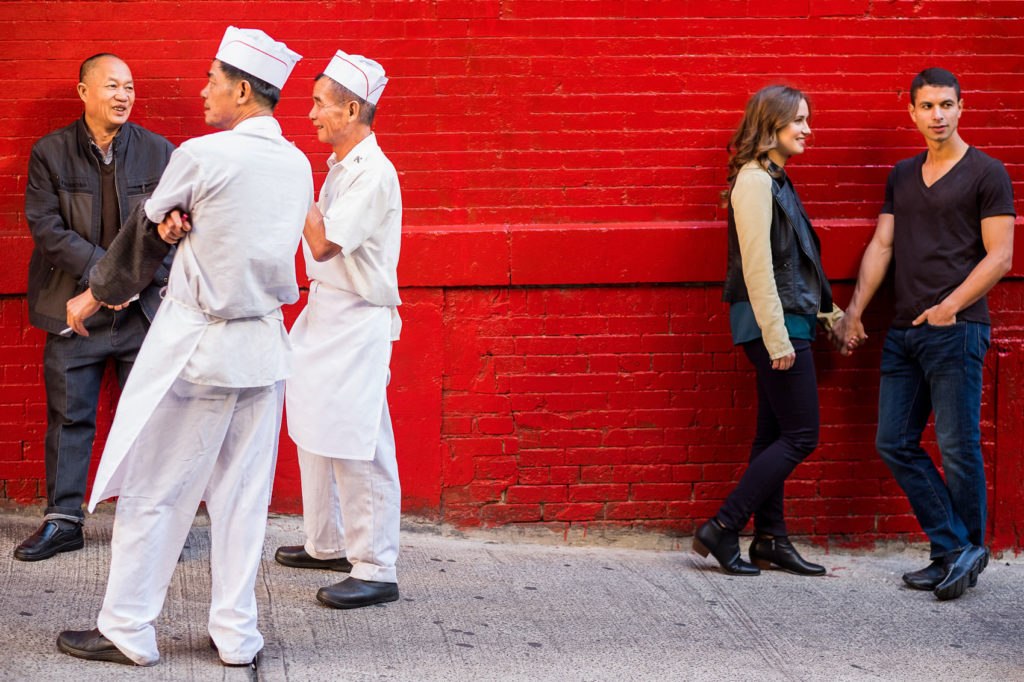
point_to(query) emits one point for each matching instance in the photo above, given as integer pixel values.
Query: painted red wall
(565, 358)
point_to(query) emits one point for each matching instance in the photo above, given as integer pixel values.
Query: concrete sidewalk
(473, 609)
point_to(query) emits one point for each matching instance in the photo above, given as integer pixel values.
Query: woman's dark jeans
(787, 432)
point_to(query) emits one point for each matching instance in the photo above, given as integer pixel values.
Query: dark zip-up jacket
(63, 210)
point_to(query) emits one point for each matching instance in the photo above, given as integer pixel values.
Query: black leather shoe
(91, 645)
(766, 550)
(725, 546)
(296, 557)
(962, 573)
(52, 537)
(982, 565)
(928, 577)
(353, 593)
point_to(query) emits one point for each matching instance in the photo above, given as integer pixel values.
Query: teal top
(744, 326)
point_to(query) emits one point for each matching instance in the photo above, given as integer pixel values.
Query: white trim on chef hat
(254, 52)
(362, 76)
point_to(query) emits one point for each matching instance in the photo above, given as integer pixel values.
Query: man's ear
(82, 87)
(243, 91)
(353, 109)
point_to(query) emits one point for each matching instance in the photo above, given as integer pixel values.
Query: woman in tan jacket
(777, 293)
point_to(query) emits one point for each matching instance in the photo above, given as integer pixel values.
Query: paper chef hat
(256, 53)
(362, 76)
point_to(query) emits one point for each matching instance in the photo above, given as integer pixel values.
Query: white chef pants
(352, 508)
(200, 442)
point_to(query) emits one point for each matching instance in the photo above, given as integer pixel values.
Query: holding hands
(847, 334)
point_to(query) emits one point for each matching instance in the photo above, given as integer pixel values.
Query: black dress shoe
(962, 573)
(979, 569)
(91, 645)
(52, 537)
(725, 546)
(296, 557)
(766, 550)
(353, 593)
(928, 577)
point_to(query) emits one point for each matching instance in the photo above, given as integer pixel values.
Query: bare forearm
(997, 235)
(873, 267)
(315, 234)
(983, 277)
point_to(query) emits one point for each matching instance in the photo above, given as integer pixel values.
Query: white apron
(171, 342)
(341, 348)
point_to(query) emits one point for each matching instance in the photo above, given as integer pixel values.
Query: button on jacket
(63, 210)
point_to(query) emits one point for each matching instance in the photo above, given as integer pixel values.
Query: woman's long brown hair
(768, 111)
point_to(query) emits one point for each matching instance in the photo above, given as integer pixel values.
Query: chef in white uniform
(337, 399)
(200, 415)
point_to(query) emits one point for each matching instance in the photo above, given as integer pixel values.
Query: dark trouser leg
(904, 404)
(73, 372)
(792, 398)
(956, 401)
(769, 518)
(127, 333)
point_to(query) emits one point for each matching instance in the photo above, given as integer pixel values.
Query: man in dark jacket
(84, 180)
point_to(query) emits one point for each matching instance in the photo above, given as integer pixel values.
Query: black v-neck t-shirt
(937, 239)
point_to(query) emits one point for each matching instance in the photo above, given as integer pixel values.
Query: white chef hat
(362, 76)
(253, 51)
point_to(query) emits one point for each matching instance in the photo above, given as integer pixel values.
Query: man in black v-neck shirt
(938, 239)
(947, 228)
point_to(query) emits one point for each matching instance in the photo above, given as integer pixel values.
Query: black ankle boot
(766, 550)
(725, 546)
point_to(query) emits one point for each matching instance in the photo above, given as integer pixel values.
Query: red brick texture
(565, 359)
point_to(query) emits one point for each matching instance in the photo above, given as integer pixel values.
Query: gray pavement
(473, 608)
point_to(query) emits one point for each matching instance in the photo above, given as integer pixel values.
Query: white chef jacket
(247, 191)
(343, 336)
(362, 207)
(242, 189)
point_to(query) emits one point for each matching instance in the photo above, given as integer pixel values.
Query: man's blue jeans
(929, 369)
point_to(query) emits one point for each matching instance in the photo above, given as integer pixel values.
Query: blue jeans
(936, 369)
(787, 432)
(73, 371)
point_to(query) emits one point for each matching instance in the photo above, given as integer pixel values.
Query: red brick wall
(565, 360)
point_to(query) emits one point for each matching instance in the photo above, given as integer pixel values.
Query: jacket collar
(785, 197)
(358, 155)
(264, 126)
(85, 138)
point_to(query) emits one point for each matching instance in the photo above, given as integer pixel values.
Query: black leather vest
(796, 257)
